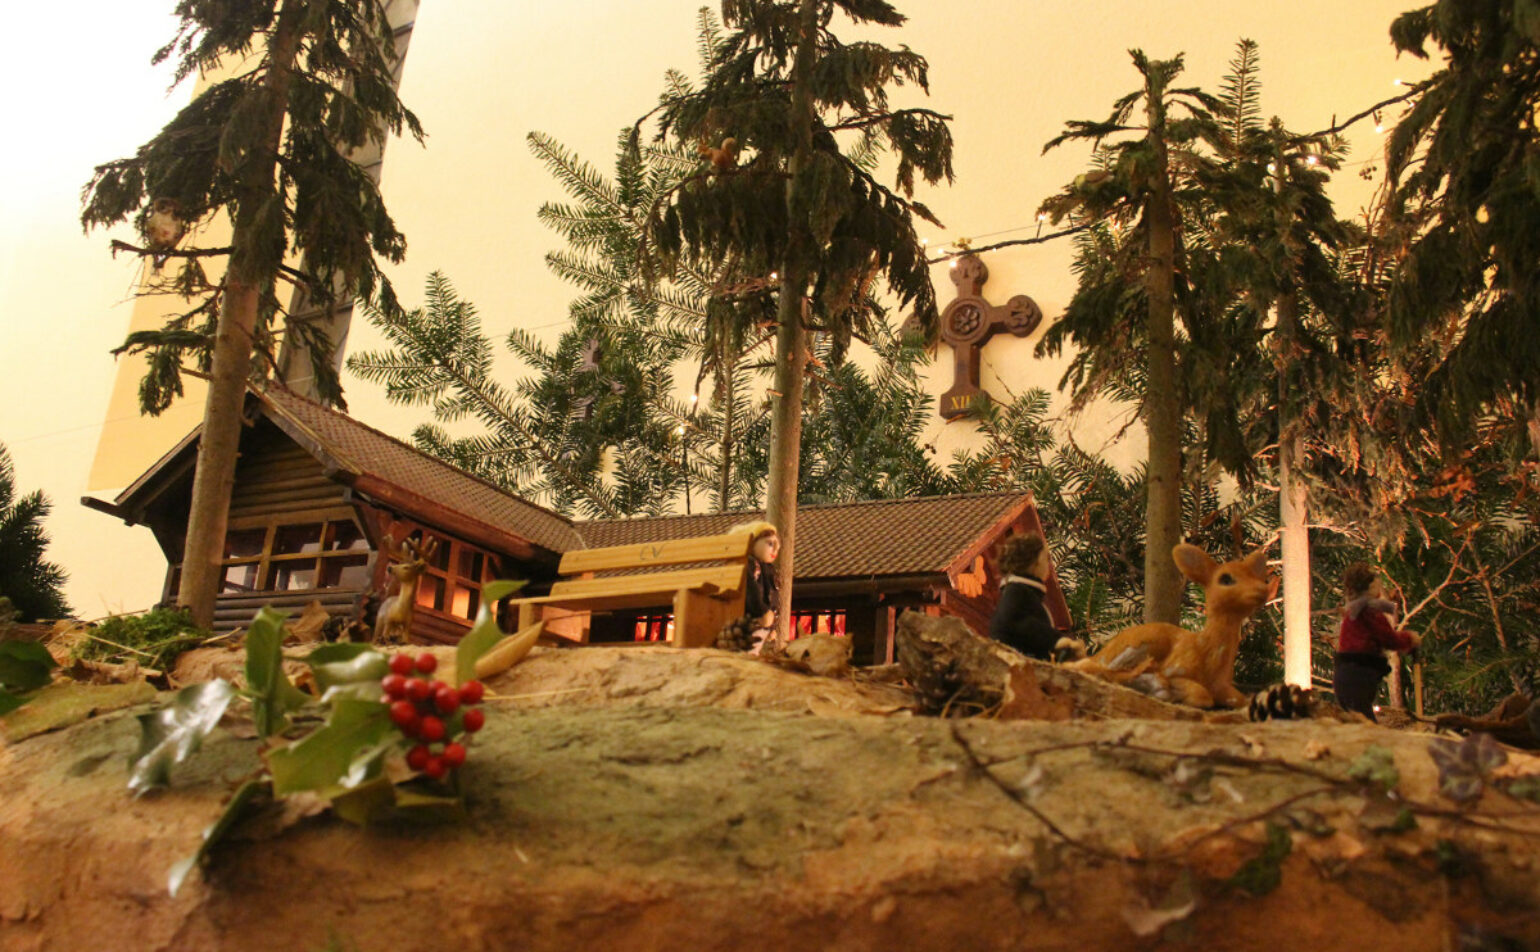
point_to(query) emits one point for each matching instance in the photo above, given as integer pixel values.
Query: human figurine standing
(1366, 634)
(1020, 619)
(761, 595)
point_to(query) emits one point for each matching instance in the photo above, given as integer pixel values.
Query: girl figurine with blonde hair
(761, 591)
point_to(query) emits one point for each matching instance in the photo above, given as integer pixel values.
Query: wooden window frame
(268, 562)
(449, 551)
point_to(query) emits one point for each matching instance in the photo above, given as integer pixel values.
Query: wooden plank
(699, 617)
(724, 578)
(665, 552)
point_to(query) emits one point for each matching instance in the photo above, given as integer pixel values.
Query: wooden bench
(703, 597)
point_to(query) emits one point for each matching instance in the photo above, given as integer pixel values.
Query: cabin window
(451, 585)
(326, 550)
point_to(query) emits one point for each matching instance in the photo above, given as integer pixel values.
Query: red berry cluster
(431, 712)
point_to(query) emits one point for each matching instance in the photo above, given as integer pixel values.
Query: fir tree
(1136, 187)
(269, 148)
(783, 200)
(30, 582)
(1464, 156)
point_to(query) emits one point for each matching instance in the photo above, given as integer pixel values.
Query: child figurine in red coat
(1365, 636)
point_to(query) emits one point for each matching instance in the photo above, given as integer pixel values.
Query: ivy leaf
(1376, 766)
(485, 633)
(1262, 874)
(273, 696)
(175, 732)
(321, 759)
(24, 665)
(212, 835)
(1463, 766)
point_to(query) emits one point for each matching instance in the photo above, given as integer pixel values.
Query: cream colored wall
(482, 74)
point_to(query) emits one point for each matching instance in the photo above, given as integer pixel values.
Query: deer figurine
(1192, 667)
(393, 622)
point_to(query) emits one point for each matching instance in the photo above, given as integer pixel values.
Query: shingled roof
(367, 454)
(889, 537)
(883, 538)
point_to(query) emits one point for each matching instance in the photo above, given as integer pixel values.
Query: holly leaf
(273, 696)
(485, 633)
(212, 834)
(324, 757)
(175, 732)
(25, 666)
(352, 673)
(366, 803)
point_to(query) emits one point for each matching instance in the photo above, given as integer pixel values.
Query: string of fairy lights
(954, 250)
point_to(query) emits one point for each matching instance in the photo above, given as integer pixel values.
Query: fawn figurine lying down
(1192, 667)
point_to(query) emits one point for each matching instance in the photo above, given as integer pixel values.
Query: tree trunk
(1292, 512)
(729, 412)
(790, 337)
(214, 477)
(1163, 400)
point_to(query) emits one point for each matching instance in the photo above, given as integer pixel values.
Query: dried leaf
(1316, 750)
(1178, 903)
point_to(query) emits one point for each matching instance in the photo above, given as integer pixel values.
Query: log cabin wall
(293, 537)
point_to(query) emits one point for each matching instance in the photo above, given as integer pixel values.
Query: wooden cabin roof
(386, 468)
(885, 538)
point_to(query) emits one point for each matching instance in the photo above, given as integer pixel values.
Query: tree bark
(218, 446)
(1162, 402)
(1292, 514)
(791, 338)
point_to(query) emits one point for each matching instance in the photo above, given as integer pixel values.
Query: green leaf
(369, 802)
(359, 674)
(485, 633)
(212, 835)
(1262, 874)
(25, 665)
(323, 758)
(175, 732)
(273, 695)
(1376, 766)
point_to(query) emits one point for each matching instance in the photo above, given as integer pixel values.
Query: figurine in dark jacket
(1020, 618)
(761, 594)
(1366, 634)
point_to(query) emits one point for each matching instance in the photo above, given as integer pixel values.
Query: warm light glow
(694, 399)
(1379, 127)
(775, 276)
(679, 430)
(1309, 160)
(1042, 216)
(1271, 168)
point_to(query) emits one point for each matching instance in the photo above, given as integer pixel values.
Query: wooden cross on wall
(969, 322)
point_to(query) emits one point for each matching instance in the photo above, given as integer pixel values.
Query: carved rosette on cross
(969, 322)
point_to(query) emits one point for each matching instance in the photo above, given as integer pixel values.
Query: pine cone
(736, 635)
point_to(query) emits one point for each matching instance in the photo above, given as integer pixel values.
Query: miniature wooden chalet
(320, 501)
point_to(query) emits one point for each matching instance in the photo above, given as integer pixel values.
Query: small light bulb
(1397, 82)
(775, 276)
(924, 242)
(1309, 160)
(1042, 216)
(953, 265)
(694, 398)
(1379, 127)
(679, 430)
(1271, 168)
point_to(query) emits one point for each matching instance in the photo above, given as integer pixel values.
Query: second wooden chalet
(320, 500)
